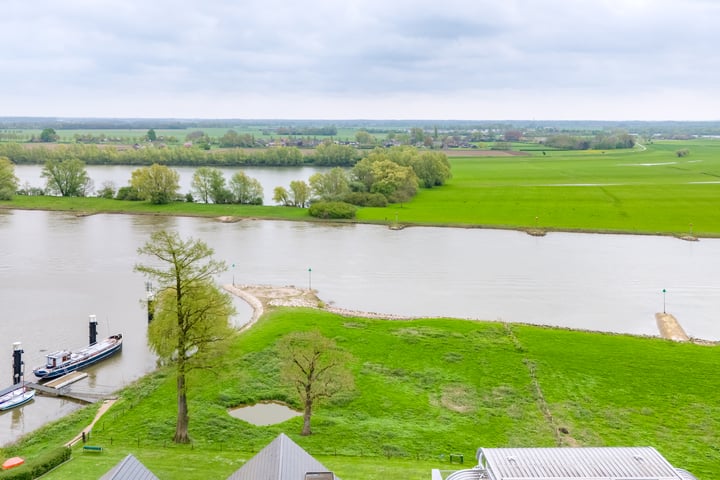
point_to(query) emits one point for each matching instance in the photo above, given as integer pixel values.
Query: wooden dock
(60, 387)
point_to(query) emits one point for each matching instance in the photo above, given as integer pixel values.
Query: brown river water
(57, 268)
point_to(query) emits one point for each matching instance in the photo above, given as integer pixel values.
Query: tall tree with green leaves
(331, 185)
(8, 180)
(316, 367)
(191, 319)
(300, 192)
(282, 196)
(209, 184)
(48, 135)
(157, 183)
(245, 189)
(67, 178)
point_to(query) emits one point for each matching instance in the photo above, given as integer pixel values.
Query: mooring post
(17, 363)
(93, 330)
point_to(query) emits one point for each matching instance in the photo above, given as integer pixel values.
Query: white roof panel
(588, 463)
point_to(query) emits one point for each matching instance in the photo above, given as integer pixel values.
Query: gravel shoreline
(261, 297)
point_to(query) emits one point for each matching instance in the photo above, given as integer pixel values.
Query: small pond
(268, 413)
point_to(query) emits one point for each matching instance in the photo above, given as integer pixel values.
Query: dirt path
(103, 408)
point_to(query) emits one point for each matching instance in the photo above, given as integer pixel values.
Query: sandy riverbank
(262, 297)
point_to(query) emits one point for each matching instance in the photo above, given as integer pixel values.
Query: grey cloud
(356, 48)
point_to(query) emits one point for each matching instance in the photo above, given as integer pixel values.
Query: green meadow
(650, 191)
(634, 191)
(424, 389)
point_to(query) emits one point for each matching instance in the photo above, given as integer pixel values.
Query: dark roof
(129, 468)
(281, 459)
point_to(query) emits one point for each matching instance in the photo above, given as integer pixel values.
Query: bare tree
(316, 367)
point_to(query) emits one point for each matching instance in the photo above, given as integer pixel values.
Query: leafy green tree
(331, 185)
(282, 196)
(432, 168)
(396, 182)
(362, 174)
(234, 139)
(208, 184)
(389, 173)
(300, 193)
(48, 135)
(329, 153)
(316, 367)
(8, 180)
(151, 135)
(190, 325)
(157, 183)
(246, 190)
(364, 138)
(67, 178)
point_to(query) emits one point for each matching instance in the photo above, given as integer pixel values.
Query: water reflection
(267, 413)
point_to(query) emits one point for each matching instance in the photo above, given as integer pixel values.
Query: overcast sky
(370, 59)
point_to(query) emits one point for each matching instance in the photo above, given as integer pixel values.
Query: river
(57, 268)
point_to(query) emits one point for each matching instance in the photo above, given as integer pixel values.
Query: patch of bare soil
(458, 398)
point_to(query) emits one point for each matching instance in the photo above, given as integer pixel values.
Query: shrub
(38, 466)
(364, 199)
(332, 210)
(128, 193)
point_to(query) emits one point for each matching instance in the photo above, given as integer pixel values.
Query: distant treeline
(573, 127)
(598, 142)
(304, 131)
(324, 155)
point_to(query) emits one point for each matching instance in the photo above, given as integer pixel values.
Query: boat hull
(16, 398)
(45, 373)
(12, 463)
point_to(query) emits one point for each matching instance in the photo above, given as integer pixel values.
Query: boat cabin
(56, 359)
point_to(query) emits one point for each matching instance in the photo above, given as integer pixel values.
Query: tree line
(385, 175)
(325, 154)
(598, 142)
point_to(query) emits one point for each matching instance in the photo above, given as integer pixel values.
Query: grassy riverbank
(424, 389)
(651, 191)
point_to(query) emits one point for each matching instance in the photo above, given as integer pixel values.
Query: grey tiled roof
(129, 468)
(281, 459)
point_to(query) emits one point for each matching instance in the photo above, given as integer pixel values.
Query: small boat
(16, 397)
(12, 463)
(64, 361)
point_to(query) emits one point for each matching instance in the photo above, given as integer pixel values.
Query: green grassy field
(649, 191)
(424, 389)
